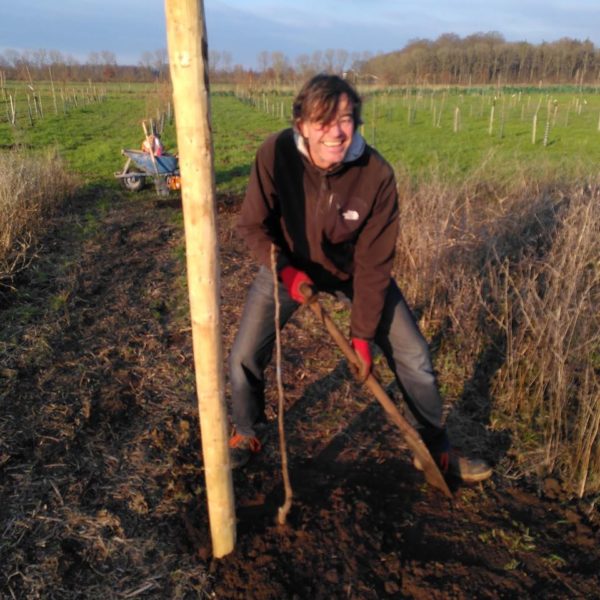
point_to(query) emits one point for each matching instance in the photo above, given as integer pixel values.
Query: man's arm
(259, 224)
(373, 259)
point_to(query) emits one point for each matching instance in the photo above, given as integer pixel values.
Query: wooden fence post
(188, 59)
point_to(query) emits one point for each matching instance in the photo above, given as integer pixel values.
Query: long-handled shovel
(432, 473)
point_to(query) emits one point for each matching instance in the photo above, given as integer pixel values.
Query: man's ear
(301, 126)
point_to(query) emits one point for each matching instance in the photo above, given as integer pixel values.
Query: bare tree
(12, 57)
(304, 67)
(160, 62)
(264, 60)
(279, 64)
(329, 58)
(317, 61)
(227, 59)
(341, 59)
(39, 58)
(155, 62)
(214, 60)
(108, 58)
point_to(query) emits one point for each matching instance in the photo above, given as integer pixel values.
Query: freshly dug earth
(103, 494)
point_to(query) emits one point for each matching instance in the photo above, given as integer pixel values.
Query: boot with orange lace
(242, 448)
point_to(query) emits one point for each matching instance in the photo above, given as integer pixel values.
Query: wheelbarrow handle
(431, 470)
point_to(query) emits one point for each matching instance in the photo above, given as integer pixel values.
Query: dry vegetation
(31, 187)
(507, 277)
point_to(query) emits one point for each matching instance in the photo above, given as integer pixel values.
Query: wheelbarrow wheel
(133, 183)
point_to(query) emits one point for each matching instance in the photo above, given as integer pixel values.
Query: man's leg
(252, 351)
(408, 356)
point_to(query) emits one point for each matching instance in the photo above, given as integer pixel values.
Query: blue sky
(244, 28)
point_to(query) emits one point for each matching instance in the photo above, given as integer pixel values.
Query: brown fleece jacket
(338, 226)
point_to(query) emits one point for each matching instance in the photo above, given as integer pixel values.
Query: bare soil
(102, 487)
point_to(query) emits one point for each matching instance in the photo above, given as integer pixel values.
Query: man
(328, 203)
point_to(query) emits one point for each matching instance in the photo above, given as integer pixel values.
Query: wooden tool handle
(432, 472)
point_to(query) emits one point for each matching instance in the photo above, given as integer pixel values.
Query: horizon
(78, 30)
(92, 57)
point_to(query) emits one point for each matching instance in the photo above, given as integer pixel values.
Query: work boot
(241, 449)
(468, 470)
(451, 462)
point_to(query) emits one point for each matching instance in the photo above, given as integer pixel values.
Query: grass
(509, 285)
(429, 139)
(91, 136)
(89, 139)
(416, 132)
(31, 188)
(238, 131)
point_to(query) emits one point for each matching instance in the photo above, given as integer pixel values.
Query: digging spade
(432, 473)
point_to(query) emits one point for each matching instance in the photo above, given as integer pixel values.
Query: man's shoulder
(376, 162)
(278, 148)
(275, 140)
(379, 158)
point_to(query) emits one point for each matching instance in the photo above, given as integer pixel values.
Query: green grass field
(450, 133)
(90, 137)
(457, 134)
(454, 135)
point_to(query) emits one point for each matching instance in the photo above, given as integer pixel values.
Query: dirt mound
(102, 485)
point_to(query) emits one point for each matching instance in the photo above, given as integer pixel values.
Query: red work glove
(293, 279)
(363, 352)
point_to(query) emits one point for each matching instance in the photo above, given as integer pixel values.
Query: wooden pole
(188, 58)
(285, 508)
(53, 91)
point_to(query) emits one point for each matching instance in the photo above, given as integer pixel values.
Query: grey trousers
(397, 336)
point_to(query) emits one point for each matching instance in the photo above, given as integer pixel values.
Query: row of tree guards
(543, 112)
(33, 104)
(543, 117)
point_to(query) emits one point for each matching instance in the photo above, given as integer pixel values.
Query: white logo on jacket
(351, 215)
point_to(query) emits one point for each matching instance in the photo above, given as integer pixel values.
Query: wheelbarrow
(141, 166)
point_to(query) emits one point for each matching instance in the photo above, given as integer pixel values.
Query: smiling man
(327, 142)
(328, 203)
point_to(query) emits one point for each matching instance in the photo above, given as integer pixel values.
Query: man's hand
(292, 279)
(363, 352)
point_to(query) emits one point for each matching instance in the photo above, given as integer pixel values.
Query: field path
(102, 490)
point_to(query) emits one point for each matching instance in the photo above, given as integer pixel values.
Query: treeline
(478, 59)
(36, 65)
(487, 58)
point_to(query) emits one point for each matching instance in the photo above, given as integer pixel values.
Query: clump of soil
(103, 494)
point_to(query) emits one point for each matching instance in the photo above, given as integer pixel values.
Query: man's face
(329, 142)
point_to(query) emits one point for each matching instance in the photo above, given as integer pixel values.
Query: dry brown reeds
(508, 274)
(31, 187)
(549, 314)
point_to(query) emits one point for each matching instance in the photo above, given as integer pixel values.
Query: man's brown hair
(319, 97)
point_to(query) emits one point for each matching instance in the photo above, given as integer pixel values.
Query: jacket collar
(356, 149)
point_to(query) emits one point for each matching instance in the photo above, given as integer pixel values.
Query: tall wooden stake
(188, 58)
